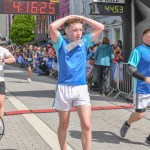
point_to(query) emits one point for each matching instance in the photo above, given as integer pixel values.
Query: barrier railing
(120, 80)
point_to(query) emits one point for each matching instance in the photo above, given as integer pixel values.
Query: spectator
(119, 42)
(103, 58)
(120, 52)
(118, 56)
(51, 52)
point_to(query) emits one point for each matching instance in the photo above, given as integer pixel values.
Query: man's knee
(86, 127)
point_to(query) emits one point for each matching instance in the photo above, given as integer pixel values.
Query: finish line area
(23, 104)
(19, 112)
(31, 122)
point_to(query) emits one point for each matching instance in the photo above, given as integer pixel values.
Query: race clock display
(30, 7)
(106, 9)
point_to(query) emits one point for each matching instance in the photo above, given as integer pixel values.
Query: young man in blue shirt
(72, 88)
(139, 68)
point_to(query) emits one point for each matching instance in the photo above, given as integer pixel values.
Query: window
(116, 31)
(117, 34)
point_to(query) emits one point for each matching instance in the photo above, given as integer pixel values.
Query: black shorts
(30, 64)
(2, 88)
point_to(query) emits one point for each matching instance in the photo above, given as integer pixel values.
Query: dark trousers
(103, 76)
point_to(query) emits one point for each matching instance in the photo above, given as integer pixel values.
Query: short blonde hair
(72, 21)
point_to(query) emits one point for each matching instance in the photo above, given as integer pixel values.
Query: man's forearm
(94, 24)
(9, 60)
(58, 23)
(135, 73)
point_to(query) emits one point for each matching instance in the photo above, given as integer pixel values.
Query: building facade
(63, 8)
(113, 28)
(4, 28)
(41, 28)
(79, 7)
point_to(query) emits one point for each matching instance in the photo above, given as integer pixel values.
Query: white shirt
(4, 53)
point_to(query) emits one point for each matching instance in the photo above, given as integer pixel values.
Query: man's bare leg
(84, 113)
(2, 97)
(62, 129)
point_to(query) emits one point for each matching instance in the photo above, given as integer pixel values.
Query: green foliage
(22, 29)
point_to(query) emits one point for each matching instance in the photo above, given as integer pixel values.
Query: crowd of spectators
(44, 58)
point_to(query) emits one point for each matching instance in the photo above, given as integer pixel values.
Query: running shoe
(29, 80)
(124, 130)
(148, 140)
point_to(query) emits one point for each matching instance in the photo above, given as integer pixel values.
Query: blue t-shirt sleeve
(88, 40)
(134, 58)
(58, 44)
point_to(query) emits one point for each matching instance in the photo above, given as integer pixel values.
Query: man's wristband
(135, 73)
(139, 76)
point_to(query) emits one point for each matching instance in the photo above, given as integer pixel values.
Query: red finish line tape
(20, 112)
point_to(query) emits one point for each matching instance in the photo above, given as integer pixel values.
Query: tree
(22, 29)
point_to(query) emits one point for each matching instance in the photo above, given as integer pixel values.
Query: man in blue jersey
(72, 88)
(139, 68)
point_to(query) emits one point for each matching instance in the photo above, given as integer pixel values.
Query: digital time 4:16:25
(30, 7)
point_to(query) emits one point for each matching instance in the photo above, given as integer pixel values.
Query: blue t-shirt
(140, 58)
(72, 63)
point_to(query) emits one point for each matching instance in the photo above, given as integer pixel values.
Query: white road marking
(13, 71)
(49, 136)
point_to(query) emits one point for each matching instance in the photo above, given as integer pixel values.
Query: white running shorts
(70, 96)
(141, 101)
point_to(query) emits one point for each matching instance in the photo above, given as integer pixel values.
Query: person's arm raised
(54, 26)
(97, 27)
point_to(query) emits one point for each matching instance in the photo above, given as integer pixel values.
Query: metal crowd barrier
(120, 80)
